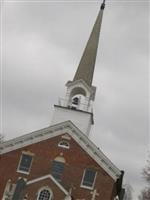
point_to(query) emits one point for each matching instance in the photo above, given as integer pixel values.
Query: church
(60, 162)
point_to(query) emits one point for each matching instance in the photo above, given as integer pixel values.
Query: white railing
(86, 106)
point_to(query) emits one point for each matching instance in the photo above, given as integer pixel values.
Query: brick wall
(44, 154)
(32, 190)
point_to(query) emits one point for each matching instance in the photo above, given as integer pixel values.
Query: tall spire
(87, 63)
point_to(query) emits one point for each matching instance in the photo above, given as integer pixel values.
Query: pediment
(51, 179)
(61, 129)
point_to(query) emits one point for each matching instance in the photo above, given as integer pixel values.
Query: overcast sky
(42, 46)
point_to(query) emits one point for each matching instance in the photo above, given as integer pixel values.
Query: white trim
(52, 178)
(21, 171)
(9, 190)
(32, 138)
(60, 159)
(95, 153)
(74, 83)
(45, 188)
(91, 91)
(87, 187)
(66, 137)
(61, 129)
(64, 146)
(28, 153)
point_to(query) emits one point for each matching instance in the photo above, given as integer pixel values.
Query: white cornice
(59, 129)
(32, 138)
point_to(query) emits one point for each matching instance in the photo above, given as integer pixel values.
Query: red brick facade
(44, 152)
(32, 190)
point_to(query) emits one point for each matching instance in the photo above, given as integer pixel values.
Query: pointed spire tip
(86, 66)
(103, 5)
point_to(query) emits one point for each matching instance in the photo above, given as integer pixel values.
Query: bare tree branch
(145, 193)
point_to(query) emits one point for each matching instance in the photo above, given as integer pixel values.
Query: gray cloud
(43, 43)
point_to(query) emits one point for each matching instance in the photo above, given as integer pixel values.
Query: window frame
(88, 187)
(21, 171)
(45, 188)
(53, 172)
(63, 146)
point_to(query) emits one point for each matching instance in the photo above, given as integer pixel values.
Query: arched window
(64, 144)
(78, 91)
(44, 194)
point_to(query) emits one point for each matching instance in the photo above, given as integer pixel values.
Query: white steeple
(77, 104)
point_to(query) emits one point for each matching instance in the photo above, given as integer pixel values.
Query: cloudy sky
(42, 43)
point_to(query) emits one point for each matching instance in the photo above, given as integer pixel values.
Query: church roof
(59, 129)
(86, 66)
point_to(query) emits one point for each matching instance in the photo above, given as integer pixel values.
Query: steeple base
(83, 120)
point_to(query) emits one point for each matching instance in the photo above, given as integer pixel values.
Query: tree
(128, 192)
(145, 193)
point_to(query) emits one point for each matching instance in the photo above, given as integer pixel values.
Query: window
(88, 178)
(25, 163)
(75, 101)
(45, 194)
(57, 169)
(64, 144)
(9, 190)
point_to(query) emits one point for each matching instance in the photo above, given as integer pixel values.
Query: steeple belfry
(86, 66)
(77, 106)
